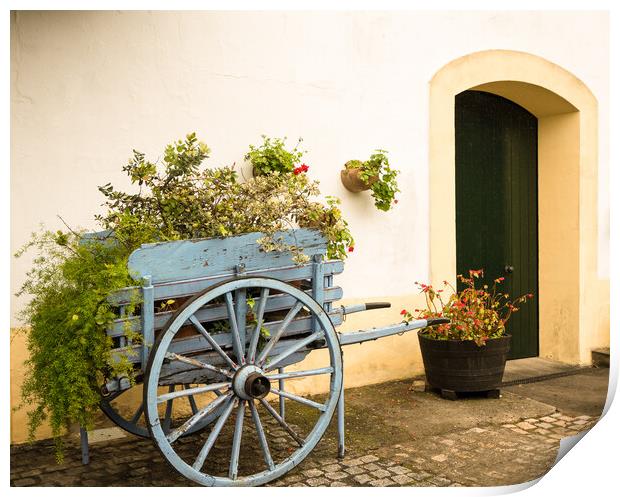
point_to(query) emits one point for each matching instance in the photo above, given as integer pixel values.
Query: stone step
(600, 357)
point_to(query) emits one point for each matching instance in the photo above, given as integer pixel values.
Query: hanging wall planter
(374, 174)
(351, 179)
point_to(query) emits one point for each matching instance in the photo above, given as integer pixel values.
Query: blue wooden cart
(247, 321)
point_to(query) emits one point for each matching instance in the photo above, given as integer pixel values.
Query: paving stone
(580, 422)
(354, 470)
(439, 482)
(338, 484)
(331, 468)
(337, 475)
(400, 470)
(369, 458)
(384, 482)
(402, 479)
(381, 473)
(362, 478)
(352, 462)
(313, 473)
(476, 430)
(547, 419)
(318, 482)
(439, 458)
(419, 475)
(520, 431)
(524, 425)
(371, 467)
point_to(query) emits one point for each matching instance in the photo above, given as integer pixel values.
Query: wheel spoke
(191, 391)
(264, 294)
(299, 374)
(236, 444)
(232, 318)
(297, 344)
(137, 414)
(212, 342)
(204, 452)
(199, 364)
(273, 340)
(282, 423)
(173, 435)
(301, 400)
(262, 440)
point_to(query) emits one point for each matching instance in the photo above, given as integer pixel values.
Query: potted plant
(273, 158)
(374, 174)
(68, 313)
(469, 353)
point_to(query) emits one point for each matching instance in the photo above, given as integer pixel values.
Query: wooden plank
(198, 343)
(190, 259)
(184, 288)
(213, 312)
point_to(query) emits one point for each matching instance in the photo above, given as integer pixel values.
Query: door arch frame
(569, 310)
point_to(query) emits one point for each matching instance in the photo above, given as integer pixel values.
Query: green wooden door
(496, 203)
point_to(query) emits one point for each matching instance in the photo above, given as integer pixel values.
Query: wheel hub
(250, 383)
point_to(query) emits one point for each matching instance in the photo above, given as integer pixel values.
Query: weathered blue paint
(215, 313)
(147, 318)
(188, 287)
(190, 259)
(384, 331)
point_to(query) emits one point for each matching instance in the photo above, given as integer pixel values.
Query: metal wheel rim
(157, 356)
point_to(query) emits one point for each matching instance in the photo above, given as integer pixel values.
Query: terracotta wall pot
(352, 182)
(462, 366)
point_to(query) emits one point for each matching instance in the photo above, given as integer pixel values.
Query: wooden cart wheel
(134, 422)
(245, 372)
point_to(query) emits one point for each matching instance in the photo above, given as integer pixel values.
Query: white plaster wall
(86, 88)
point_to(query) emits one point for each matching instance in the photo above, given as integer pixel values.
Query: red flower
(395, 200)
(297, 170)
(304, 168)
(351, 249)
(403, 312)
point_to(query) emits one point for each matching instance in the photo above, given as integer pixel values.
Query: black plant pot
(463, 366)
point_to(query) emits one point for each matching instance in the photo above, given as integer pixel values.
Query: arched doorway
(569, 290)
(496, 162)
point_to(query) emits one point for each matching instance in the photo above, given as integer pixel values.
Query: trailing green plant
(377, 173)
(272, 157)
(69, 351)
(477, 314)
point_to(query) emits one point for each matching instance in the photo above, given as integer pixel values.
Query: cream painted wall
(86, 88)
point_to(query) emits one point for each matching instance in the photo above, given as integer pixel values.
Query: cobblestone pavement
(481, 456)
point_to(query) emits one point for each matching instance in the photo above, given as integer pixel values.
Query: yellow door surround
(574, 302)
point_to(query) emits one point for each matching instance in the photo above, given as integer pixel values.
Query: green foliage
(68, 347)
(377, 173)
(272, 157)
(69, 350)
